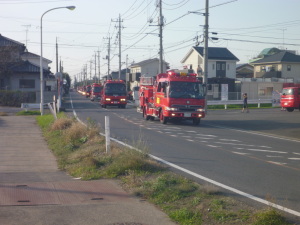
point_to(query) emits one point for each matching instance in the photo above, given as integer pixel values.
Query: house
(280, 65)
(147, 68)
(244, 71)
(19, 69)
(221, 62)
(115, 74)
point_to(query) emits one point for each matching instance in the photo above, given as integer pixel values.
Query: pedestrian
(245, 103)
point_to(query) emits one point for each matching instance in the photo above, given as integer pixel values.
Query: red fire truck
(173, 95)
(290, 98)
(96, 91)
(113, 94)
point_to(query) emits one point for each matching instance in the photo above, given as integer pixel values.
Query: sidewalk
(29, 177)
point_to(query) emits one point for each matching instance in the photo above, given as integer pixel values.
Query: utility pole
(108, 56)
(120, 28)
(95, 76)
(99, 65)
(161, 24)
(205, 52)
(56, 56)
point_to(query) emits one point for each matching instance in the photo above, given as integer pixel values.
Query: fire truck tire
(103, 106)
(145, 116)
(196, 121)
(163, 119)
(290, 109)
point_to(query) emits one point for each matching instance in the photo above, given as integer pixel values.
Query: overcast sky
(245, 27)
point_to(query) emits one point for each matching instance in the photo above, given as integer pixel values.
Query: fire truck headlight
(200, 110)
(171, 109)
(122, 99)
(107, 99)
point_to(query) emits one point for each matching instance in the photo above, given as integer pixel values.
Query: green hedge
(15, 98)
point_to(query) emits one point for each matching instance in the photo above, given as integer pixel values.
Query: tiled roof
(283, 56)
(217, 53)
(27, 67)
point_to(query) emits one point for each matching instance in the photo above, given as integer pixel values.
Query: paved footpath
(34, 191)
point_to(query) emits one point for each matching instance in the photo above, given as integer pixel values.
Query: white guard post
(107, 134)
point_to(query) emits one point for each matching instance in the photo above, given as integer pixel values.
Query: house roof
(282, 56)
(4, 41)
(214, 53)
(147, 61)
(28, 55)
(27, 67)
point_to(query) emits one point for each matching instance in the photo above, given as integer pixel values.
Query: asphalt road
(257, 153)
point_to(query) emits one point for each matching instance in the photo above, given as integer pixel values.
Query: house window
(223, 66)
(213, 66)
(263, 69)
(218, 66)
(23, 83)
(289, 67)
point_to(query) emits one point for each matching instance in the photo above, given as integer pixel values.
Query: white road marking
(207, 135)
(229, 140)
(190, 140)
(240, 153)
(293, 212)
(213, 146)
(278, 163)
(294, 158)
(256, 133)
(228, 143)
(205, 138)
(261, 150)
(296, 153)
(274, 156)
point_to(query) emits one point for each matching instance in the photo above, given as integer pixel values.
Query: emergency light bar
(181, 74)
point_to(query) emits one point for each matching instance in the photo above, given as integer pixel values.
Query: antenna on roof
(27, 26)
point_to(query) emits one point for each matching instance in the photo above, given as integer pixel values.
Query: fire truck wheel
(290, 109)
(163, 119)
(103, 106)
(146, 117)
(196, 121)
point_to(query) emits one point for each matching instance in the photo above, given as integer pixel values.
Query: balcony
(270, 74)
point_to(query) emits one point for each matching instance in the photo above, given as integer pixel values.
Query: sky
(245, 27)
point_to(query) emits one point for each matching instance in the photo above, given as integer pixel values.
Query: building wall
(15, 82)
(150, 69)
(195, 60)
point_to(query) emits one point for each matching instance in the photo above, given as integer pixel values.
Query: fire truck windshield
(193, 90)
(97, 89)
(115, 89)
(287, 91)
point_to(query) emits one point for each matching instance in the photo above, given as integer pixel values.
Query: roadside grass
(28, 113)
(80, 151)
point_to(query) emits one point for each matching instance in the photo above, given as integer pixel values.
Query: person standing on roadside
(245, 103)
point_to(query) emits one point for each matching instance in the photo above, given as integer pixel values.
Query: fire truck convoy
(173, 95)
(113, 94)
(96, 91)
(290, 98)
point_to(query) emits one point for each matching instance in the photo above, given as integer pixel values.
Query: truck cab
(114, 94)
(96, 91)
(290, 98)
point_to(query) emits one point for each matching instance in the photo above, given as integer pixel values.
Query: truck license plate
(187, 114)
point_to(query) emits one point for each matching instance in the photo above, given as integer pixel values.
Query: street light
(41, 57)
